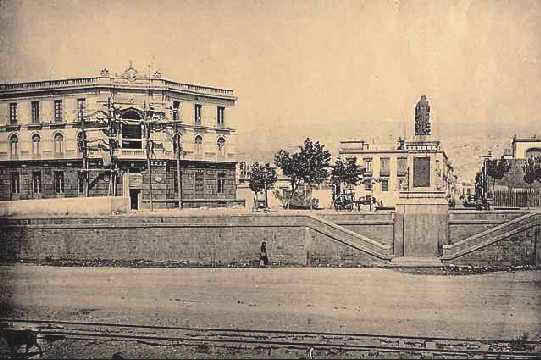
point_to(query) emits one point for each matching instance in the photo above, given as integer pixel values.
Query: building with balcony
(42, 154)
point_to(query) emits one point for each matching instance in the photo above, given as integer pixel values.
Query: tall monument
(421, 209)
(422, 117)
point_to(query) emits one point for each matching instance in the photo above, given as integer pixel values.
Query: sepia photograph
(270, 179)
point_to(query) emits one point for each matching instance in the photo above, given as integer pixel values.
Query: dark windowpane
(176, 107)
(384, 169)
(199, 182)
(58, 110)
(197, 114)
(220, 116)
(15, 186)
(36, 182)
(384, 185)
(35, 112)
(132, 136)
(81, 109)
(13, 113)
(131, 131)
(59, 182)
(221, 183)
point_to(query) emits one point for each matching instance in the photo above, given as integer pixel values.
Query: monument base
(422, 223)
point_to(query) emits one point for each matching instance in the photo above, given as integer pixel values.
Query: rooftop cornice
(532, 139)
(115, 82)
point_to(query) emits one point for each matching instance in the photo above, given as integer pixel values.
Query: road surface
(378, 301)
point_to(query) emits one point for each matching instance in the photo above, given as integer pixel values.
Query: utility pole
(149, 166)
(148, 142)
(178, 149)
(83, 149)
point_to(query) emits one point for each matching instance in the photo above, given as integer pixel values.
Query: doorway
(134, 199)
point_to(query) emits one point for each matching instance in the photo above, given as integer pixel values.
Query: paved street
(380, 301)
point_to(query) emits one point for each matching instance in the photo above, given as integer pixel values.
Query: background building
(524, 148)
(44, 124)
(388, 170)
(391, 170)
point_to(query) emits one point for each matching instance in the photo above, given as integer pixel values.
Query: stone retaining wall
(212, 240)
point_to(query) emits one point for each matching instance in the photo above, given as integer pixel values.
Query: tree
(106, 122)
(308, 166)
(109, 121)
(479, 185)
(496, 169)
(532, 170)
(346, 172)
(261, 178)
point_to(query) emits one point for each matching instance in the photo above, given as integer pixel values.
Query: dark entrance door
(134, 199)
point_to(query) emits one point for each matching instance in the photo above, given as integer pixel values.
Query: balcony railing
(91, 81)
(49, 84)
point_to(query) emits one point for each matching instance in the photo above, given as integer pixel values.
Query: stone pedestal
(421, 223)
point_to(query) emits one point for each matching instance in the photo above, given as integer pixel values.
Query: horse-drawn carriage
(344, 202)
(347, 202)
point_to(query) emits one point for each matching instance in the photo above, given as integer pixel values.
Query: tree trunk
(310, 198)
(293, 188)
(266, 199)
(150, 182)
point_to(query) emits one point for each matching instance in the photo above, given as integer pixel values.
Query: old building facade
(389, 170)
(419, 164)
(97, 136)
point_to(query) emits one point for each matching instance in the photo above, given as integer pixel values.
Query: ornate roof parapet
(130, 77)
(104, 72)
(131, 74)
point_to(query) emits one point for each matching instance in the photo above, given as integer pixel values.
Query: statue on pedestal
(422, 117)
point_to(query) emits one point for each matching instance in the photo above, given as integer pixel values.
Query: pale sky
(331, 70)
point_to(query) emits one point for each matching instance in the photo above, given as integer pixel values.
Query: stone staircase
(490, 236)
(348, 237)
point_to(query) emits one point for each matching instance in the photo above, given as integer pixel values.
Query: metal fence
(517, 198)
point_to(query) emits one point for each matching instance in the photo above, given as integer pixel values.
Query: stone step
(416, 261)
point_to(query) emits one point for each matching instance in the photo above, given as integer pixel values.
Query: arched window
(220, 144)
(13, 140)
(198, 145)
(58, 143)
(35, 144)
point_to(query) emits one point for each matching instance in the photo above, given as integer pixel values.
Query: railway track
(337, 344)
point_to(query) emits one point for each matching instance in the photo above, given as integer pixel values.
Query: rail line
(272, 339)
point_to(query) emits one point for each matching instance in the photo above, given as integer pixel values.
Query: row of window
(36, 182)
(58, 179)
(384, 185)
(199, 183)
(384, 168)
(81, 112)
(59, 144)
(36, 139)
(58, 111)
(220, 110)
